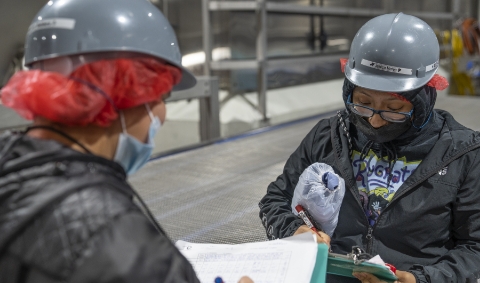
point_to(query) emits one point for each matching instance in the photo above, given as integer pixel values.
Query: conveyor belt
(211, 194)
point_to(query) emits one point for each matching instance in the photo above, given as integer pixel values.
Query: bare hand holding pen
(321, 237)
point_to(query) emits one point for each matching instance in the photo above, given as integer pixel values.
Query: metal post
(210, 111)
(262, 57)
(322, 35)
(311, 35)
(206, 91)
(455, 18)
(478, 9)
(455, 9)
(207, 37)
(165, 8)
(388, 6)
(209, 106)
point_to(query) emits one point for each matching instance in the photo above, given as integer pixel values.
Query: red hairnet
(343, 62)
(81, 99)
(438, 82)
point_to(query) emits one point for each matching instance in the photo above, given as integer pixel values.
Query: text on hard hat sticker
(386, 68)
(431, 67)
(61, 23)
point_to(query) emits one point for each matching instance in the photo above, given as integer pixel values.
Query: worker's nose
(377, 121)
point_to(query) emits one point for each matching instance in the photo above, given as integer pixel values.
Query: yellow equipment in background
(461, 82)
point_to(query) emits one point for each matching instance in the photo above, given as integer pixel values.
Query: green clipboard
(320, 271)
(343, 265)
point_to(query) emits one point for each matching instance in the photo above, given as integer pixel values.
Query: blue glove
(330, 181)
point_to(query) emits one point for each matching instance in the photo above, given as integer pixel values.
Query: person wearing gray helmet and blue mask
(100, 71)
(411, 171)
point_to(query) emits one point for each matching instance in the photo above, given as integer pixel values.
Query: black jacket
(69, 217)
(432, 224)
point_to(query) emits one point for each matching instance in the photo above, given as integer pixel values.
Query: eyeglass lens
(389, 116)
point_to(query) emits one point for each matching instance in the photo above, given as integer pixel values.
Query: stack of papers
(284, 260)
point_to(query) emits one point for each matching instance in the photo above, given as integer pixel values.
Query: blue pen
(219, 280)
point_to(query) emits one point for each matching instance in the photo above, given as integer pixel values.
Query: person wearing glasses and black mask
(411, 172)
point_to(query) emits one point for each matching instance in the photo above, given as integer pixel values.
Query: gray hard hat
(73, 27)
(393, 52)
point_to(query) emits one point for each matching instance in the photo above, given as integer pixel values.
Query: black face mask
(383, 134)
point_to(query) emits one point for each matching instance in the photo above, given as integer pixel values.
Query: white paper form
(285, 260)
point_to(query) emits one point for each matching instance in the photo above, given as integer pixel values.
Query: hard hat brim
(188, 80)
(386, 82)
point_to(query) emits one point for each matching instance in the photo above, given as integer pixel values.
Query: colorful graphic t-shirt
(371, 175)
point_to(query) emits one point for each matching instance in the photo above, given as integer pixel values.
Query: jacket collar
(454, 141)
(20, 151)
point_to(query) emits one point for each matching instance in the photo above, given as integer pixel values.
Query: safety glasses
(390, 116)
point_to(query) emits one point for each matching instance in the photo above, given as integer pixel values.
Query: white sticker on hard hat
(386, 68)
(431, 67)
(61, 23)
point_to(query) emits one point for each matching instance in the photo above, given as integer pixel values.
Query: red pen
(305, 218)
(391, 267)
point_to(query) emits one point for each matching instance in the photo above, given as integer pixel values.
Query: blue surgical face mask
(131, 153)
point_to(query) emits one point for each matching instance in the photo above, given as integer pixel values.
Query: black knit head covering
(423, 100)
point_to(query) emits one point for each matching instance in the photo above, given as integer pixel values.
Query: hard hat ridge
(72, 27)
(394, 53)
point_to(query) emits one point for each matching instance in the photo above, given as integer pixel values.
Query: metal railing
(206, 91)
(262, 8)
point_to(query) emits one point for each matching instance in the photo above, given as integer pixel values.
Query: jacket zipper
(352, 187)
(369, 236)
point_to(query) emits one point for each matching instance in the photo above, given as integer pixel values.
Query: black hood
(423, 100)
(34, 172)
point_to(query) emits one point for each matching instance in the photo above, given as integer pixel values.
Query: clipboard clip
(358, 255)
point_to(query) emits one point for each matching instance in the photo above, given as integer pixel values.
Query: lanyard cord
(68, 137)
(391, 154)
(349, 139)
(148, 213)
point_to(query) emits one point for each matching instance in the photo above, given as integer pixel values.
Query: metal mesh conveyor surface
(211, 194)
